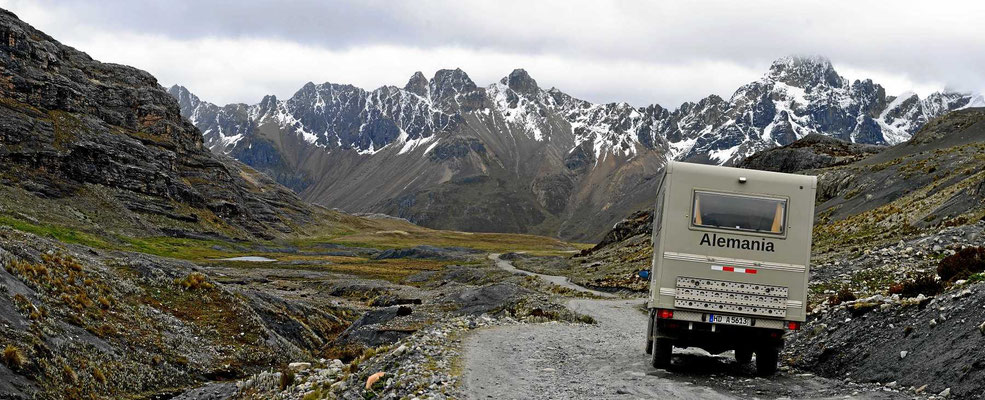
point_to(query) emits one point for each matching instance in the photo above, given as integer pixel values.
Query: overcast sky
(641, 52)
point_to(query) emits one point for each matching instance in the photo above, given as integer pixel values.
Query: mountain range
(514, 157)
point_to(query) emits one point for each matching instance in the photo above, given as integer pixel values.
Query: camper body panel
(750, 282)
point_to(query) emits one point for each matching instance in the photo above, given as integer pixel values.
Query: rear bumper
(717, 338)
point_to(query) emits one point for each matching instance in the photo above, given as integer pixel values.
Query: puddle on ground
(249, 258)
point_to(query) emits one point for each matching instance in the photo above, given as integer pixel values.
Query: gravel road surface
(606, 361)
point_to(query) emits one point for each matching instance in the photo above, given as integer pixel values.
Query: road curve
(562, 281)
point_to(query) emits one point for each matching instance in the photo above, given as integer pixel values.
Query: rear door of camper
(733, 241)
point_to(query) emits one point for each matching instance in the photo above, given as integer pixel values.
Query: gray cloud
(570, 44)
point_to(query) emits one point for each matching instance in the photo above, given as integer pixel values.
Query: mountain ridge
(575, 167)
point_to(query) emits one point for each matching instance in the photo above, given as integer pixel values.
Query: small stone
(373, 379)
(903, 354)
(891, 384)
(920, 389)
(981, 328)
(299, 366)
(933, 323)
(944, 393)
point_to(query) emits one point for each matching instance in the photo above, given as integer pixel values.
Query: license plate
(729, 319)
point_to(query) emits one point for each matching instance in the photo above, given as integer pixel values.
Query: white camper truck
(730, 261)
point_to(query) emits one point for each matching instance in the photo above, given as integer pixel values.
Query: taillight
(665, 314)
(793, 325)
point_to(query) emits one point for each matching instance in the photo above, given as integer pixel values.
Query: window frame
(784, 226)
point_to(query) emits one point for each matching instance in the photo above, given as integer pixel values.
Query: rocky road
(606, 361)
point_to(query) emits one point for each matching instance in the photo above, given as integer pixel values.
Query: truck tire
(663, 349)
(649, 333)
(766, 360)
(743, 356)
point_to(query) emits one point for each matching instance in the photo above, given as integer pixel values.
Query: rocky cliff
(105, 146)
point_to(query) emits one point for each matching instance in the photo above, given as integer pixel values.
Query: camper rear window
(739, 212)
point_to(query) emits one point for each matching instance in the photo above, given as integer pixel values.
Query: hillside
(447, 153)
(103, 146)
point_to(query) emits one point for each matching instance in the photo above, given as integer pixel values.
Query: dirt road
(562, 281)
(606, 360)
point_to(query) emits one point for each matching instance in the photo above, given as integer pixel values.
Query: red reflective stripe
(733, 269)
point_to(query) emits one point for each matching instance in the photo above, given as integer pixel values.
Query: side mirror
(645, 274)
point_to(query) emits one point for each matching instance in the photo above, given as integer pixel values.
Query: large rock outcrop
(108, 142)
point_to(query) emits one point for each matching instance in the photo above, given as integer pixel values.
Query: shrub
(13, 357)
(98, 376)
(286, 379)
(104, 302)
(69, 374)
(194, 281)
(346, 353)
(896, 288)
(923, 284)
(845, 294)
(962, 264)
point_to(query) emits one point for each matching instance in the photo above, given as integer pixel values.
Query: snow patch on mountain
(518, 110)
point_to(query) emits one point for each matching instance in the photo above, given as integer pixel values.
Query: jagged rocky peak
(314, 96)
(186, 100)
(417, 84)
(521, 82)
(805, 71)
(308, 90)
(268, 103)
(449, 82)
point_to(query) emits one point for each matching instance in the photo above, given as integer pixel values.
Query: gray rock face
(812, 152)
(68, 121)
(563, 158)
(370, 330)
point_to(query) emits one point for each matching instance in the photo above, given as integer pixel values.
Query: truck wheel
(663, 349)
(649, 334)
(743, 356)
(766, 360)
